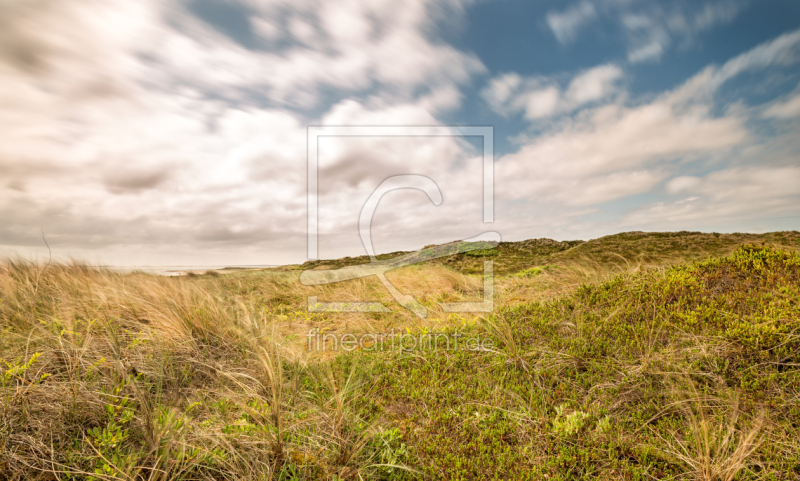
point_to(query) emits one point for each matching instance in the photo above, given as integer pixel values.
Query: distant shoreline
(180, 270)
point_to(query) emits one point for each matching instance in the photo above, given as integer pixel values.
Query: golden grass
(94, 361)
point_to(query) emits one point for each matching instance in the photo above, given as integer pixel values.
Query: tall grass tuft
(135, 376)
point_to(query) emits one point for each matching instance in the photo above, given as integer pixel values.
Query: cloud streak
(542, 97)
(649, 27)
(137, 123)
(694, 167)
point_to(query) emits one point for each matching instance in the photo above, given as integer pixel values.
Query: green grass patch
(535, 271)
(659, 374)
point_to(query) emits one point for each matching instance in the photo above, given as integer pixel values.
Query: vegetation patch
(599, 370)
(661, 373)
(535, 271)
(483, 253)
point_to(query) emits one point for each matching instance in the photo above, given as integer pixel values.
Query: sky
(153, 132)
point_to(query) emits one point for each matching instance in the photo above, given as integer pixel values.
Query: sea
(182, 270)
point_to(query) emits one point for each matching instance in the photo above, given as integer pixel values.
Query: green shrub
(483, 253)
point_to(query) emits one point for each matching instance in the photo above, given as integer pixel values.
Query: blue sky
(514, 36)
(140, 132)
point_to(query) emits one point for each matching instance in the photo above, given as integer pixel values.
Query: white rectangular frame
(317, 131)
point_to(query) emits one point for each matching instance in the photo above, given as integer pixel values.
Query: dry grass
(715, 443)
(136, 376)
(144, 377)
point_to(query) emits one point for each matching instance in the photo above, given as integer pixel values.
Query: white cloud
(717, 13)
(779, 52)
(124, 122)
(352, 47)
(604, 188)
(567, 24)
(782, 51)
(648, 38)
(266, 28)
(538, 104)
(744, 196)
(558, 180)
(541, 97)
(594, 84)
(785, 109)
(304, 33)
(501, 89)
(500, 92)
(651, 51)
(617, 146)
(681, 184)
(649, 27)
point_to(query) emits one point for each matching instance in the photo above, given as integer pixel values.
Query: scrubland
(634, 356)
